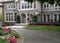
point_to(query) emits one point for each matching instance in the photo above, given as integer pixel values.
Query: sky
(0, 0)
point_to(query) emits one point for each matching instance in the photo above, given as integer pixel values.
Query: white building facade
(51, 13)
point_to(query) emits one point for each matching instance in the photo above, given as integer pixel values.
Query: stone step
(21, 24)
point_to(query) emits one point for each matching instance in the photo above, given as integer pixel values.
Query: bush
(4, 40)
(8, 36)
(13, 33)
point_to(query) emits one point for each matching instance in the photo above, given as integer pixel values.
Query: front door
(18, 19)
(23, 18)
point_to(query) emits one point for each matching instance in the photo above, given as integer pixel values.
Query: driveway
(36, 36)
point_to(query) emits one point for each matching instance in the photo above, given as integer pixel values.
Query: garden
(7, 35)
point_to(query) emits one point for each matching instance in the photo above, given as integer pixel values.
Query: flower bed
(8, 36)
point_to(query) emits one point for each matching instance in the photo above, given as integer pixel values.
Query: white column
(46, 19)
(49, 7)
(5, 17)
(27, 5)
(20, 18)
(42, 18)
(33, 5)
(26, 18)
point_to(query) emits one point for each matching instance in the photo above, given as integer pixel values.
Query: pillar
(26, 18)
(20, 18)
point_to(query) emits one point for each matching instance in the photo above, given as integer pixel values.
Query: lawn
(49, 28)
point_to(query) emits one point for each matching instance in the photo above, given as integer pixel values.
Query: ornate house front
(31, 12)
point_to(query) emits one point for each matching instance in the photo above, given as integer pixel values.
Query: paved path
(35, 36)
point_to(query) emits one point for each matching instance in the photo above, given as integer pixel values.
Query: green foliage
(1, 32)
(58, 2)
(51, 1)
(34, 18)
(15, 34)
(0, 28)
(4, 40)
(17, 18)
(49, 28)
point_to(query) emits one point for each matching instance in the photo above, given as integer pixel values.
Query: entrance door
(23, 18)
(18, 19)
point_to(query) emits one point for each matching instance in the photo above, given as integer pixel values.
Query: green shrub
(4, 40)
(15, 34)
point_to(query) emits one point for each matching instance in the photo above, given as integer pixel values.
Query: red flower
(6, 29)
(12, 39)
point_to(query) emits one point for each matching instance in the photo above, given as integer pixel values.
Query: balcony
(27, 6)
(51, 9)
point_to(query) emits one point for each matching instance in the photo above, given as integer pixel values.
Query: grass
(50, 28)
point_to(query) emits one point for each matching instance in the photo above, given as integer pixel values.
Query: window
(27, 5)
(22, 5)
(15, 16)
(55, 5)
(34, 5)
(44, 5)
(9, 17)
(11, 5)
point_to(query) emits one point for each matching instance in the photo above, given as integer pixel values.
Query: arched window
(44, 5)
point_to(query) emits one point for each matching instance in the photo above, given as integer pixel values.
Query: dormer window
(11, 5)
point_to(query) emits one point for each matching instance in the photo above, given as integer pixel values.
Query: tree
(51, 2)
